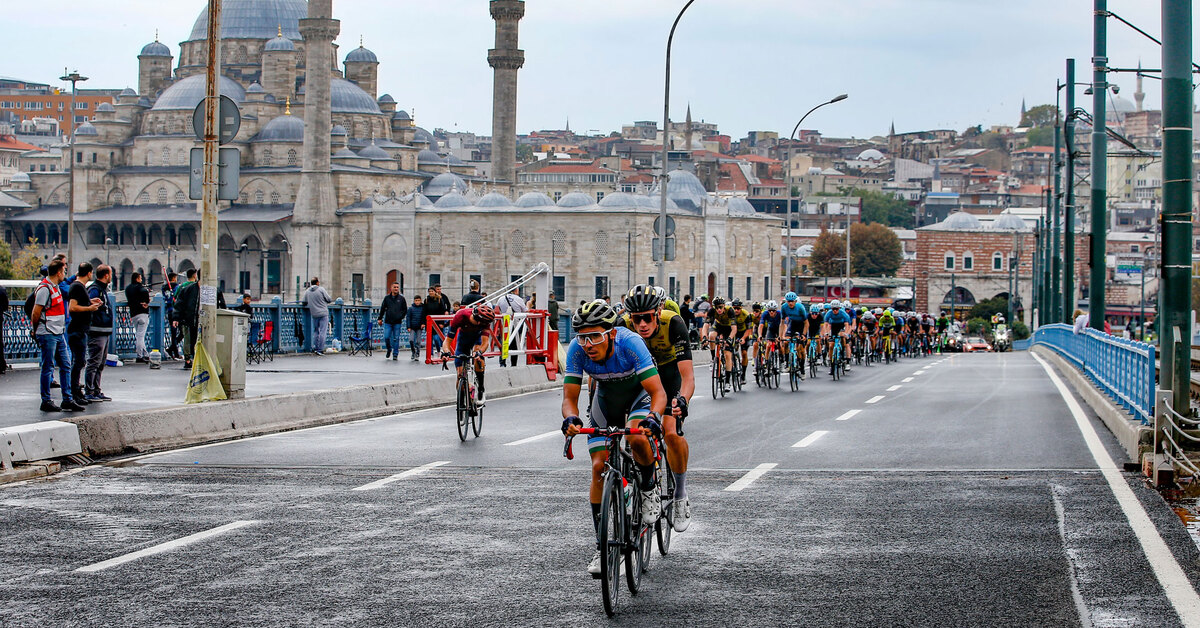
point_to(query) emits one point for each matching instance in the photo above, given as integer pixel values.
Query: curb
(1134, 437)
(35, 469)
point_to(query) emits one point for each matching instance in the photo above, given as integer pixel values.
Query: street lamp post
(307, 246)
(1056, 271)
(789, 267)
(661, 232)
(75, 78)
(1099, 169)
(1175, 284)
(462, 266)
(107, 251)
(242, 268)
(1069, 207)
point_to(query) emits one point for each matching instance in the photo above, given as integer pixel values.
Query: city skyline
(583, 64)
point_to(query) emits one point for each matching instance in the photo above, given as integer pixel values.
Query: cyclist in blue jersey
(837, 322)
(627, 385)
(795, 313)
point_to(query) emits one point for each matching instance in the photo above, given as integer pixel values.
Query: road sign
(656, 250)
(670, 226)
(228, 174)
(229, 120)
(848, 285)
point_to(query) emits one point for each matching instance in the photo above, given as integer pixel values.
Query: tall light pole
(1175, 329)
(75, 78)
(1099, 166)
(791, 261)
(1056, 269)
(661, 232)
(208, 217)
(1069, 207)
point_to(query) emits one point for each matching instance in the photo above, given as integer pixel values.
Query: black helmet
(737, 303)
(643, 298)
(594, 313)
(718, 301)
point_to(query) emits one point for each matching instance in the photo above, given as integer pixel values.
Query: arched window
(292, 157)
(732, 246)
(358, 243)
(435, 240)
(601, 244)
(166, 156)
(179, 198)
(274, 198)
(475, 242)
(162, 196)
(357, 195)
(266, 157)
(258, 197)
(750, 250)
(244, 198)
(143, 198)
(181, 157)
(559, 242)
(997, 261)
(516, 244)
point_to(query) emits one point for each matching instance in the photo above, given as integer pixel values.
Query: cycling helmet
(1000, 318)
(484, 313)
(877, 311)
(772, 305)
(889, 311)
(837, 305)
(791, 296)
(595, 313)
(737, 303)
(718, 301)
(643, 298)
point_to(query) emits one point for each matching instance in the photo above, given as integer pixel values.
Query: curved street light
(661, 232)
(789, 266)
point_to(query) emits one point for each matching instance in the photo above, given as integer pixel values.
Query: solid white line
(400, 476)
(1085, 618)
(1166, 569)
(848, 415)
(533, 438)
(907, 380)
(165, 547)
(752, 475)
(895, 388)
(875, 399)
(811, 438)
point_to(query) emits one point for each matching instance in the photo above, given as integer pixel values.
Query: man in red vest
(48, 322)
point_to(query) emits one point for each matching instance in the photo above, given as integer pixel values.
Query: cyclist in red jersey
(471, 329)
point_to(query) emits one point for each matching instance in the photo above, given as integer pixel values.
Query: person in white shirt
(1081, 321)
(510, 304)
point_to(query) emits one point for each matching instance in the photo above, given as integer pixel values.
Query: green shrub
(978, 326)
(1020, 330)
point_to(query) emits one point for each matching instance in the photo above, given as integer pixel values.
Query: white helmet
(877, 311)
(1000, 318)
(835, 303)
(772, 305)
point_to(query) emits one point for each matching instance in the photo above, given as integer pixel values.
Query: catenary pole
(1056, 269)
(1068, 293)
(1099, 168)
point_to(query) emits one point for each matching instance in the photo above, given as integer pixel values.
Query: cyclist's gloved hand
(682, 404)
(569, 421)
(653, 422)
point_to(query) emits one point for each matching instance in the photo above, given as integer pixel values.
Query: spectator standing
(48, 322)
(437, 287)
(393, 313)
(168, 296)
(99, 333)
(317, 300)
(416, 321)
(3, 315)
(245, 307)
(685, 310)
(187, 314)
(139, 313)
(1081, 321)
(552, 308)
(434, 306)
(472, 296)
(701, 310)
(81, 305)
(510, 304)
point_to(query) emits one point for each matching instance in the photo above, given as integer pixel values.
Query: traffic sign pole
(208, 220)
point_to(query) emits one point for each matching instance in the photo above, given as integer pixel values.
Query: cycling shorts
(603, 414)
(723, 331)
(836, 328)
(770, 333)
(465, 341)
(796, 327)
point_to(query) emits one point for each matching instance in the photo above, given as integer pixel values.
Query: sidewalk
(136, 387)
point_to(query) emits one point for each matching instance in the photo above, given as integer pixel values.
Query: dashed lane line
(895, 388)
(400, 476)
(920, 372)
(164, 547)
(810, 439)
(875, 399)
(849, 414)
(751, 476)
(1166, 568)
(906, 380)
(535, 438)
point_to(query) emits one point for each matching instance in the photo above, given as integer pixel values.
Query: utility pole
(208, 220)
(1048, 293)
(74, 77)
(1175, 331)
(1099, 169)
(1056, 269)
(1069, 207)
(1037, 288)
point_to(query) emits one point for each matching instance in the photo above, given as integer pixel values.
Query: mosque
(337, 181)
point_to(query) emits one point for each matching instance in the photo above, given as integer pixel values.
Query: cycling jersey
(887, 320)
(467, 334)
(942, 323)
(668, 346)
(770, 322)
(814, 323)
(796, 313)
(741, 318)
(722, 318)
(618, 378)
(837, 320)
(869, 323)
(913, 323)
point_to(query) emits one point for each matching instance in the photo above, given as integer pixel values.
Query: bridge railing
(1123, 369)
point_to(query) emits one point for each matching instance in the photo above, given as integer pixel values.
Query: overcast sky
(744, 64)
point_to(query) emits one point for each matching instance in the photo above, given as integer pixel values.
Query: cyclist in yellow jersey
(719, 325)
(745, 327)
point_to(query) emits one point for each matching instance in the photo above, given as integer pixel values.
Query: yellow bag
(205, 383)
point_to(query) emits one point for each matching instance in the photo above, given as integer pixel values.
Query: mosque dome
(576, 199)
(421, 200)
(374, 153)
(155, 49)
(254, 19)
(86, 129)
(346, 97)
(338, 130)
(452, 200)
(280, 44)
(128, 91)
(361, 55)
(530, 200)
(345, 153)
(739, 206)
(282, 129)
(401, 115)
(445, 183)
(618, 199)
(188, 93)
(1009, 222)
(105, 107)
(427, 156)
(421, 135)
(21, 177)
(686, 190)
(494, 199)
(870, 154)
(386, 99)
(255, 88)
(961, 221)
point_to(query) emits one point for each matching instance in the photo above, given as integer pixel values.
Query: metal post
(75, 78)
(791, 140)
(462, 265)
(628, 259)
(662, 183)
(1056, 271)
(845, 284)
(1099, 168)
(1068, 293)
(1142, 302)
(787, 249)
(306, 250)
(1047, 250)
(953, 291)
(208, 220)
(1175, 331)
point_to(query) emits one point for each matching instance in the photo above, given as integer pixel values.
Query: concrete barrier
(185, 425)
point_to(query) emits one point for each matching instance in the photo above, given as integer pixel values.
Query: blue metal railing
(1022, 345)
(1123, 369)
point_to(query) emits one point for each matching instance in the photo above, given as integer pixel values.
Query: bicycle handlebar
(607, 432)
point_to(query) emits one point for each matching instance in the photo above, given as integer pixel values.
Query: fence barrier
(1123, 369)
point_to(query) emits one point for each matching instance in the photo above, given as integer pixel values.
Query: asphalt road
(967, 496)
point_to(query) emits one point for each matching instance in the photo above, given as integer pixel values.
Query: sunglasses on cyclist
(648, 317)
(594, 338)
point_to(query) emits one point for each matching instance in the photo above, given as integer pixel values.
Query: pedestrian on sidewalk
(187, 314)
(99, 333)
(472, 296)
(552, 308)
(317, 300)
(168, 295)
(393, 312)
(139, 313)
(245, 307)
(510, 304)
(3, 312)
(80, 306)
(48, 322)
(416, 322)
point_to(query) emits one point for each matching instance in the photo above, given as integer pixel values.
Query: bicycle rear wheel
(775, 368)
(716, 375)
(463, 408)
(610, 542)
(662, 527)
(640, 547)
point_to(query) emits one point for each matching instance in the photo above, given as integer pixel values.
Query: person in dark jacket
(3, 314)
(81, 306)
(392, 314)
(187, 314)
(472, 296)
(416, 321)
(168, 297)
(139, 313)
(104, 320)
(245, 307)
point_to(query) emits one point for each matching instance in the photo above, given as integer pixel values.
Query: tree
(884, 208)
(1041, 136)
(6, 261)
(525, 153)
(994, 141)
(826, 251)
(874, 250)
(986, 308)
(1041, 115)
(27, 263)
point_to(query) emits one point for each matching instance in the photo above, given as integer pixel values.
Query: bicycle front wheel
(610, 542)
(463, 408)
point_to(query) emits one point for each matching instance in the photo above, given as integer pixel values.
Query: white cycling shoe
(651, 505)
(681, 514)
(594, 566)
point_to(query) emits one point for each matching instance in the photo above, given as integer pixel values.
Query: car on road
(974, 344)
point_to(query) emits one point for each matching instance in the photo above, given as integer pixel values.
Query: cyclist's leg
(481, 346)
(598, 449)
(640, 445)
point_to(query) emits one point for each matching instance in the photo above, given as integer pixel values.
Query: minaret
(1138, 94)
(505, 60)
(1022, 118)
(687, 129)
(314, 221)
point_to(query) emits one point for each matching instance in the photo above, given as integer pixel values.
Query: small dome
(454, 161)
(739, 206)
(421, 135)
(494, 199)
(686, 190)
(346, 97)
(961, 221)
(86, 129)
(870, 154)
(105, 107)
(338, 130)
(452, 200)
(361, 55)
(188, 93)
(21, 177)
(401, 115)
(128, 91)
(155, 49)
(280, 44)
(576, 199)
(345, 153)
(444, 183)
(386, 99)
(144, 102)
(282, 129)
(427, 156)
(619, 199)
(1009, 222)
(421, 200)
(374, 153)
(534, 199)
(255, 88)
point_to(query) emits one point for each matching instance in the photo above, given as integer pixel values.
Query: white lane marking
(1085, 618)
(848, 415)
(875, 399)
(1170, 575)
(164, 547)
(895, 388)
(400, 476)
(812, 438)
(533, 438)
(752, 475)
(920, 372)
(907, 380)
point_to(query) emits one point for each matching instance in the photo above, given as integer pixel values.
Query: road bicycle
(623, 535)
(467, 407)
(735, 375)
(837, 358)
(718, 370)
(814, 355)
